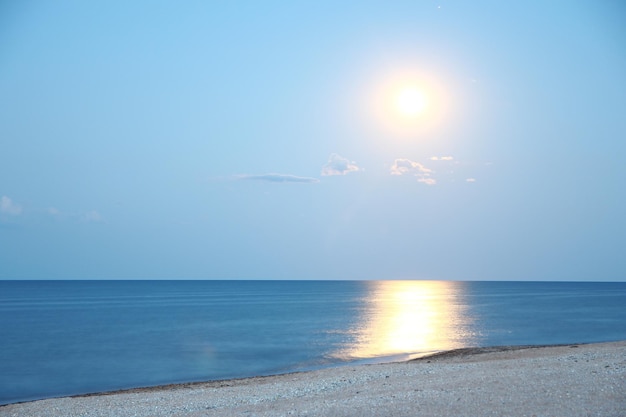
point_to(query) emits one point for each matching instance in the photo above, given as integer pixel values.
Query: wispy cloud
(441, 158)
(403, 166)
(338, 165)
(11, 208)
(427, 181)
(91, 216)
(7, 206)
(278, 178)
(470, 180)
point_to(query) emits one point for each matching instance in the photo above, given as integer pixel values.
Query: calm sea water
(69, 337)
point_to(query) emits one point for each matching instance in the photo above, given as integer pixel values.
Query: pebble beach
(569, 380)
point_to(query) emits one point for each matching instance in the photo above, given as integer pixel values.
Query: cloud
(403, 166)
(338, 165)
(427, 181)
(278, 178)
(441, 158)
(91, 217)
(470, 180)
(9, 207)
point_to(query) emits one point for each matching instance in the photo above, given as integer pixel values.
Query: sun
(408, 104)
(410, 101)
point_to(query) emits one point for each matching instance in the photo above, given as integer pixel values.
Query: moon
(407, 104)
(410, 101)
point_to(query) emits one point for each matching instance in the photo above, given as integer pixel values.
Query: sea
(60, 338)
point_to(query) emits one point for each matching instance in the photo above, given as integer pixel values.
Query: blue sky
(263, 140)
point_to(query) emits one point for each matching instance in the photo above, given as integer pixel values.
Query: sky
(441, 140)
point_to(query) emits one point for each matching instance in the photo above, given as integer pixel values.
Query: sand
(573, 380)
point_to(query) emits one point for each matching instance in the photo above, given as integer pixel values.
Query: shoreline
(219, 383)
(571, 379)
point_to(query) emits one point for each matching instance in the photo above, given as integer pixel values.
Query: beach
(568, 380)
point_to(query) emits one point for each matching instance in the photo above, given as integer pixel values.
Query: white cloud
(441, 158)
(9, 207)
(403, 166)
(427, 181)
(91, 217)
(470, 180)
(338, 165)
(278, 178)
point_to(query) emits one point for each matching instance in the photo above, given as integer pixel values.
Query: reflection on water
(405, 317)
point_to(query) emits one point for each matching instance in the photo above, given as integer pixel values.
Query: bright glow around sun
(410, 101)
(409, 104)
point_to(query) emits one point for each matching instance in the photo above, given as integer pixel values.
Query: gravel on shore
(572, 380)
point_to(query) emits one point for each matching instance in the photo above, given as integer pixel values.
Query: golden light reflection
(410, 317)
